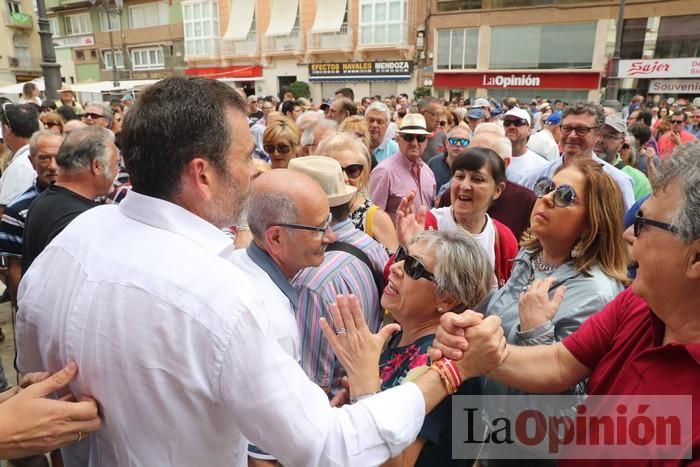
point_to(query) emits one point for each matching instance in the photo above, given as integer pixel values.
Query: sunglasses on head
(517, 122)
(458, 141)
(412, 265)
(408, 137)
(564, 195)
(353, 170)
(281, 148)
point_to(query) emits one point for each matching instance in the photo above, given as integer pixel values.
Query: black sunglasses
(281, 148)
(92, 115)
(564, 195)
(353, 170)
(408, 137)
(517, 122)
(640, 221)
(458, 141)
(580, 130)
(412, 266)
(322, 229)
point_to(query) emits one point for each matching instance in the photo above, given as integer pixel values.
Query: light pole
(612, 87)
(49, 67)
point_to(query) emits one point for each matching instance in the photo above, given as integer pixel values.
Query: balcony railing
(291, 43)
(18, 20)
(330, 40)
(247, 47)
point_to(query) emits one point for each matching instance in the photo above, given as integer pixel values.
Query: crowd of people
(221, 279)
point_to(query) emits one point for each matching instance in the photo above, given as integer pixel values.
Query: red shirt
(622, 345)
(666, 146)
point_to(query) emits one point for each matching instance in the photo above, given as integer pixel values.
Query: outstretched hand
(408, 222)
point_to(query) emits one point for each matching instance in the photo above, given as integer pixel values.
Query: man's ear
(197, 176)
(693, 271)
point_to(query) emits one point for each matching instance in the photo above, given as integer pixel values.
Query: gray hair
(505, 147)
(266, 208)
(425, 102)
(587, 108)
(106, 111)
(308, 118)
(34, 140)
(377, 106)
(462, 269)
(83, 146)
(491, 127)
(684, 167)
(307, 136)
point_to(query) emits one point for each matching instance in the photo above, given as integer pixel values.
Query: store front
(567, 86)
(240, 76)
(670, 77)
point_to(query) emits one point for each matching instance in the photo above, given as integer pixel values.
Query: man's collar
(267, 264)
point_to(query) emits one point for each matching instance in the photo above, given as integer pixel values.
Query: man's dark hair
(586, 108)
(67, 113)
(23, 119)
(346, 92)
(288, 106)
(644, 115)
(641, 133)
(172, 122)
(346, 105)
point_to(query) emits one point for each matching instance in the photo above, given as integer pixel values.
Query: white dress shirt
(521, 166)
(18, 177)
(169, 338)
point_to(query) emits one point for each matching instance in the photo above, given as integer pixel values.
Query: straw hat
(414, 124)
(65, 88)
(329, 174)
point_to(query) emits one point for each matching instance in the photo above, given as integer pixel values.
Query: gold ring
(80, 437)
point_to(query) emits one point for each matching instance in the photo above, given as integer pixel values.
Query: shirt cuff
(542, 334)
(398, 414)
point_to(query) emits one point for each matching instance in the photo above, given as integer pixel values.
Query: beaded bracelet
(449, 374)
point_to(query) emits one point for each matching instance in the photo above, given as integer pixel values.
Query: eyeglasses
(408, 137)
(412, 266)
(322, 229)
(281, 148)
(677, 122)
(640, 221)
(580, 130)
(517, 122)
(564, 195)
(50, 125)
(353, 170)
(92, 116)
(458, 141)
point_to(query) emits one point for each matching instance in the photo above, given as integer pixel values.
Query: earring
(577, 251)
(439, 309)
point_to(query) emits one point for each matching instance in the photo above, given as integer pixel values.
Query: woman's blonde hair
(603, 243)
(51, 117)
(355, 125)
(348, 142)
(282, 128)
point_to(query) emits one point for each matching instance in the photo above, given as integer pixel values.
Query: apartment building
(559, 48)
(20, 50)
(264, 45)
(146, 39)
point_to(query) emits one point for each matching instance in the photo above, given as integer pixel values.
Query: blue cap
(553, 119)
(476, 113)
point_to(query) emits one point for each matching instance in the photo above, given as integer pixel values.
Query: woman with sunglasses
(281, 142)
(52, 122)
(353, 157)
(573, 253)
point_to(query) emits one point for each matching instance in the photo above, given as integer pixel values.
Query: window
(457, 5)
(457, 48)
(149, 14)
(147, 58)
(675, 40)
(80, 55)
(383, 22)
(53, 26)
(111, 22)
(23, 53)
(77, 24)
(201, 20)
(14, 6)
(107, 59)
(543, 46)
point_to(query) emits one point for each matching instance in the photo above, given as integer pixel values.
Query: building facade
(548, 48)
(144, 39)
(370, 45)
(20, 51)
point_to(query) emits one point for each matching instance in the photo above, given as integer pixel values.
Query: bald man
(278, 198)
(515, 204)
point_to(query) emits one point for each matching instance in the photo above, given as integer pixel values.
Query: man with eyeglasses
(677, 136)
(610, 141)
(457, 141)
(432, 110)
(98, 115)
(516, 123)
(405, 172)
(693, 126)
(581, 124)
(351, 264)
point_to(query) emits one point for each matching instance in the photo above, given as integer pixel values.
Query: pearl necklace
(539, 264)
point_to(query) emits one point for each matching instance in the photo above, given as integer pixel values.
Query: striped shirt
(340, 273)
(12, 223)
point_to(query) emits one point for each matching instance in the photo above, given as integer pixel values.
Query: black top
(48, 215)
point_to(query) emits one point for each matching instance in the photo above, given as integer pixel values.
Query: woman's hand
(408, 222)
(355, 346)
(535, 305)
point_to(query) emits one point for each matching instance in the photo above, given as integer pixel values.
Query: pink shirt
(666, 146)
(393, 179)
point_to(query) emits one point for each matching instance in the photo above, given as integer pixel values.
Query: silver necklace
(539, 264)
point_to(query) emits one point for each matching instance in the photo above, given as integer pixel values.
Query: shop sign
(243, 72)
(674, 86)
(518, 80)
(399, 69)
(73, 41)
(661, 68)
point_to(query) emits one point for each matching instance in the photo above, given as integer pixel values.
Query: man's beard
(229, 203)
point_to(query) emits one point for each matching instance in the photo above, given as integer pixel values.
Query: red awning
(242, 72)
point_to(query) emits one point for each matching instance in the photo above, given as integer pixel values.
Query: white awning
(97, 87)
(283, 15)
(329, 15)
(17, 88)
(240, 19)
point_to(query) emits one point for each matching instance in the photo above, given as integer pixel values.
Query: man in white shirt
(546, 141)
(19, 123)
(168, 334)
(516, 122)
